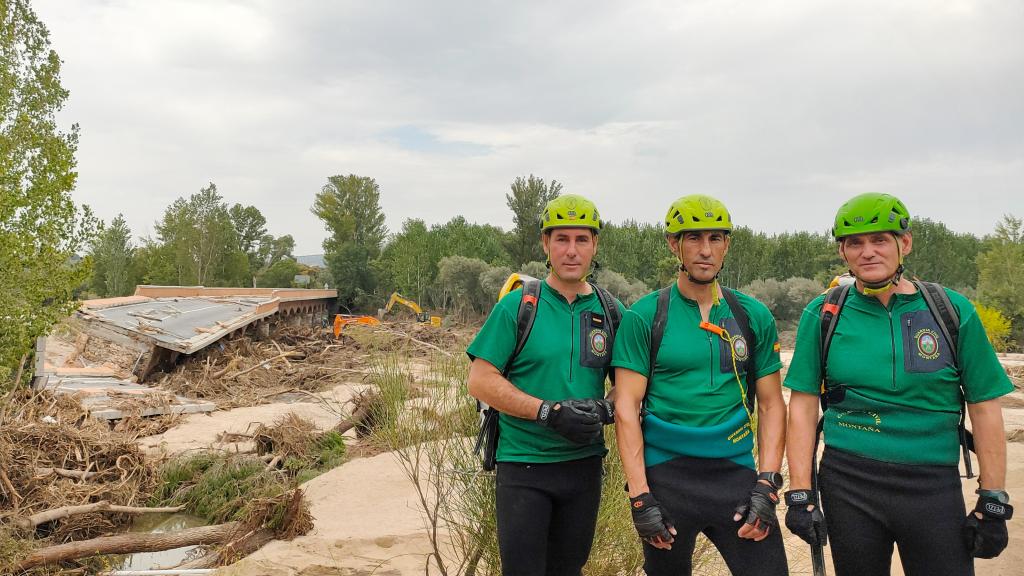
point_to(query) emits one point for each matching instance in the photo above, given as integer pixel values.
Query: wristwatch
(998, 495)
(774, 479)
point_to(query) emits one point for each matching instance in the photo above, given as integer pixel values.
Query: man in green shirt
(551, 402)
(892, 385)
(690, 464)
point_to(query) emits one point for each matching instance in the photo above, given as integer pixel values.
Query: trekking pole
(817, 550)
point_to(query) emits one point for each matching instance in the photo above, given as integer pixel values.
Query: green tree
(41, 228)
(747, 259)
(1001, 271)
(943, 256)
(251, 228)
(527, 200)
(457, 237)
(408, 264)
(461, 279)
(349, 206)
(633, 249)
(112, 256)
(278, 248)
(202, 243)
(280, 274)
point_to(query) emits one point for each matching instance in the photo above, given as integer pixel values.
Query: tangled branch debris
(53, 454)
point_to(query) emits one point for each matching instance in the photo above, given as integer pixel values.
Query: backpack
(487, 437)
(945, 315)
(738, 313)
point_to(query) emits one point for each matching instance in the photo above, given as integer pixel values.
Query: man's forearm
(803, 424)
(989, 443)
(490, 387)
(630, 441)
(629, 394)
(771, 436)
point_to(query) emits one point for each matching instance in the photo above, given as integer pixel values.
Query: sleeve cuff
(641, 370)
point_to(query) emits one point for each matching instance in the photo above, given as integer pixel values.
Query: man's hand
(985, 528)
(603, 407)
(804, 517)
(569, 420)
(758, 513)
(652, 522)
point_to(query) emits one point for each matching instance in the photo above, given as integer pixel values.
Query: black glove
(603, 407)
(569, 420)
(809, 526)
(760, 506)
(986, 538)
(651, 520)
(606, 407)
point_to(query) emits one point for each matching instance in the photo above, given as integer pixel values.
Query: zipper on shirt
(711, 363)
(892, 340)
(572, 340)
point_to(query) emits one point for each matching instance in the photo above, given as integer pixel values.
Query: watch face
(774, 478)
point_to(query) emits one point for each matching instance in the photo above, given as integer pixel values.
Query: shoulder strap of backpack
(948, 318)
(945, 314)
(611, 309)
(524, 320)
(830, 309)
(658, 329)
(744, 322)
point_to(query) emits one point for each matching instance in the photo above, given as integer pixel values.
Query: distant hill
(312, 260)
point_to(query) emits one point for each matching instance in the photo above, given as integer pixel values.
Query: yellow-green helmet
(871, 212)
(697, 212)
(570, 211)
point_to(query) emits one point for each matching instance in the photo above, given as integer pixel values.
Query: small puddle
(159, 524)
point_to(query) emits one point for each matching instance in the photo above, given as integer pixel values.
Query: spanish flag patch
(776, 347)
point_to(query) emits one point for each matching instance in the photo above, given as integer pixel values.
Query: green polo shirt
(565, 357)
(902, 399)
(694, 403)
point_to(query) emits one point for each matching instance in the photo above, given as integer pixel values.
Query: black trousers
(871, 505)
(701, 495)
(546, 516)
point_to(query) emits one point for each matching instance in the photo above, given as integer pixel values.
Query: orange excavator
(342, 320)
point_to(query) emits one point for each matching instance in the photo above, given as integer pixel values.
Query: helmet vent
(874, 220)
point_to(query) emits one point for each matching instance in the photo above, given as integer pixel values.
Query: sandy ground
(202, 431)
(367, 519)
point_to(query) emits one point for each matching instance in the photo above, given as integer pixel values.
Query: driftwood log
(128, 544)
(31, 522)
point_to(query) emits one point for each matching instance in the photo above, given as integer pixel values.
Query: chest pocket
(924, 348)
(595, 343)
(743, 351)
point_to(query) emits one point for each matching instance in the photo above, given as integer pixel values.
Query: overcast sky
(782, 109)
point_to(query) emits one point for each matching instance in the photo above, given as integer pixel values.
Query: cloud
(782, 109)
